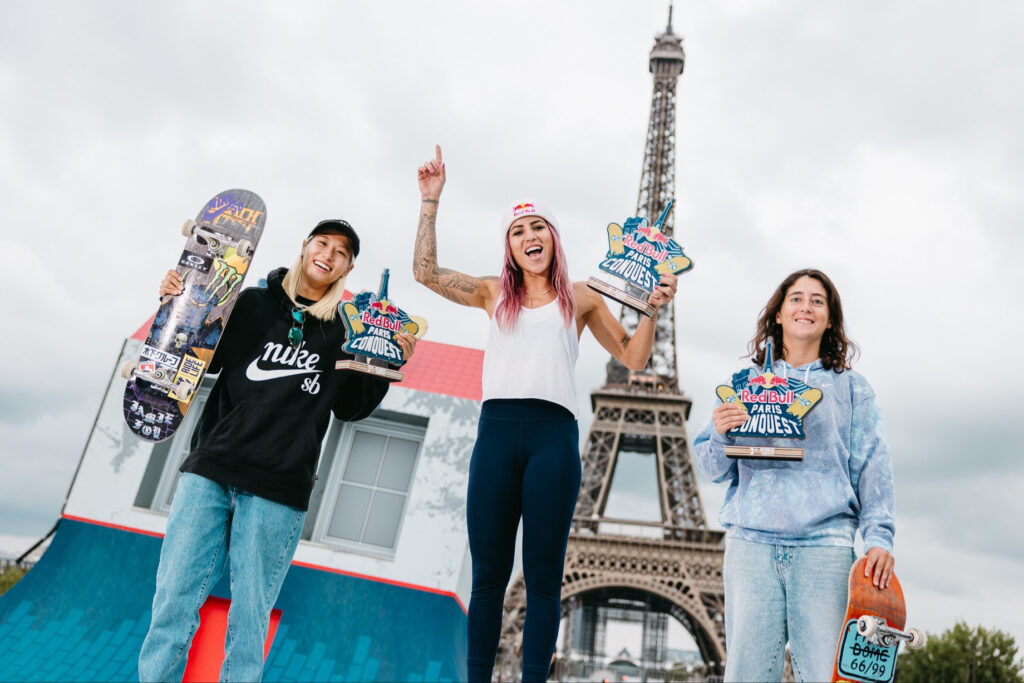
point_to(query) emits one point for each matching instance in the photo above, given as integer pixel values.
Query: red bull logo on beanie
(520, 210)
(526, 207)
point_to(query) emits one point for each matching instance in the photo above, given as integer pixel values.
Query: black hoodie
(269, 409)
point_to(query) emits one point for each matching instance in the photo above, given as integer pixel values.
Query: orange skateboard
(872, 630)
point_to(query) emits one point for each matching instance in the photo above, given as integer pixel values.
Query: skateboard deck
(185, 332)
(872, 630)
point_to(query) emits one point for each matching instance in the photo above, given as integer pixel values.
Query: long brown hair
(837, 351)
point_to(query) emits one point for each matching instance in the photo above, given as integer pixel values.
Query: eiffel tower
(622, 570)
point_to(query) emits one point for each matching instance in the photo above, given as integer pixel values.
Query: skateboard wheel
(244, 248)
(184, 391)
(916, 639)
(867, 627)
(128, 369)
(188, 227)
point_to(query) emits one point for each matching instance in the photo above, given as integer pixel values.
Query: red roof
(435, 368)
(445, 369)
(143, 331)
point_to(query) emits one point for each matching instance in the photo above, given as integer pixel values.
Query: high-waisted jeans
(210, 524)
(775, 593)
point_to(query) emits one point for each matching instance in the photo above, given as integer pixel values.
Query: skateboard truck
(876, 631)
(160, 377)
(214, 241)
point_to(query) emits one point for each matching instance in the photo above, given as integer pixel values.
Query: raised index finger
(437, 154)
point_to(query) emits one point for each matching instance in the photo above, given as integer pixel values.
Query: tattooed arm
(451, 284)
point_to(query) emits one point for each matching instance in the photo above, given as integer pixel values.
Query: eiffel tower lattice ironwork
(674, 566)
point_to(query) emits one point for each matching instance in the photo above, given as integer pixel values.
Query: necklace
(531, 295)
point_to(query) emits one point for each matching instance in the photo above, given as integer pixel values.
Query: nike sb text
(278, 354)
(296, 361)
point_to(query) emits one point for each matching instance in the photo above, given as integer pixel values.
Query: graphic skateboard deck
(872, 630)
(184, 335)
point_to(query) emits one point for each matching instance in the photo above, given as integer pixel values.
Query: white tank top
(537, 359)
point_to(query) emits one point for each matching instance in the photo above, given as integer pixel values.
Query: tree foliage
(977, 655)
(9, 577)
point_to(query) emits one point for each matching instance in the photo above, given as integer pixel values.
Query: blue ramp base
(82, 612)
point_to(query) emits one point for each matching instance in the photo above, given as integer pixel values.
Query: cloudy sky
(879, 141)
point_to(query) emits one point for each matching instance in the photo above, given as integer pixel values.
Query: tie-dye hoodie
(843, 482)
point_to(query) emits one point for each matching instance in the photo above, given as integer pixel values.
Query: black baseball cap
(338, 227)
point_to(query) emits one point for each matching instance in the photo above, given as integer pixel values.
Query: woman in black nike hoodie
(245, 486)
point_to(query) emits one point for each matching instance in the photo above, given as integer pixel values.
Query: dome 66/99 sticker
(862, 661)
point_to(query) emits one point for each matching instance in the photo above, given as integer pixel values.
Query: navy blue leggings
(526, 463)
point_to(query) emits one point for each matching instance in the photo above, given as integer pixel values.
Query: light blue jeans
(775, 593)
(210, 524)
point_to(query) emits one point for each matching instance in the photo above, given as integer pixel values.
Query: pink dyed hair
(511, 288)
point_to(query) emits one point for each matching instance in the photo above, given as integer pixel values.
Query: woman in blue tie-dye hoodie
(791, 524)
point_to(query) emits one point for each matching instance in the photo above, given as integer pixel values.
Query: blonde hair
(327, 307)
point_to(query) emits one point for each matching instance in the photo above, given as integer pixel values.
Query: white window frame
(178, 451)
(332, 489)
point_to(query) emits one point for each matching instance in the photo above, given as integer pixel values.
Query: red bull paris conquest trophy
(373, 321)
(776, 408)
(637, 256)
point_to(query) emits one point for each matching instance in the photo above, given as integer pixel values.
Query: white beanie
(526, 207)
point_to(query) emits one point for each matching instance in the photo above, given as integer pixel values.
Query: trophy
(372, 321)
(637, 256)
(776, 408)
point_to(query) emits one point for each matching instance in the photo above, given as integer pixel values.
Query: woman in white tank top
(525, 463)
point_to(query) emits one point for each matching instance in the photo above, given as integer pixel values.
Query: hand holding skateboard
(173, 284)
(879, 563)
